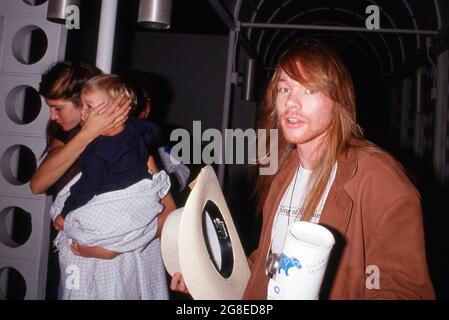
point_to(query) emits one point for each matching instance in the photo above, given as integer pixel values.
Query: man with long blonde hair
(329, 174)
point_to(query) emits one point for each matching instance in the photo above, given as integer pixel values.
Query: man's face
(90, 101)
(305, 115)
(64, 113)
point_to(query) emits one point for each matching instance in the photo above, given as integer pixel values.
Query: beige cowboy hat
(200, 241)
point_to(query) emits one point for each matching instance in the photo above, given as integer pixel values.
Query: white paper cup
(302, 263)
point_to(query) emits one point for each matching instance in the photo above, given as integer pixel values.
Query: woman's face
(64, 112)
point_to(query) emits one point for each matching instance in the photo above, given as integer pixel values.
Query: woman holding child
(122, 256)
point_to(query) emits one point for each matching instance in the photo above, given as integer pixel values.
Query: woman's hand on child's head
(177, 283)
(59, 223)
(107, 116)
(117, 110)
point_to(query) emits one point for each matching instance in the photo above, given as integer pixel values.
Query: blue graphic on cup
(286, 263)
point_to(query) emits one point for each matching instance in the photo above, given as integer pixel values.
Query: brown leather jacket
(375, 214)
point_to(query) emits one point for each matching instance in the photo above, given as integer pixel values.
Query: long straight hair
(65, 79)
(316, 66)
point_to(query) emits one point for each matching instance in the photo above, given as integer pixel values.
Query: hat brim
(184, 248)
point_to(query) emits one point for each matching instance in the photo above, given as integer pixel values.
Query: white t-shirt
(291, 206)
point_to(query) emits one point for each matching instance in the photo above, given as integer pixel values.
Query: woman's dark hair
(140, 85)
(64, 80)
(142, 98)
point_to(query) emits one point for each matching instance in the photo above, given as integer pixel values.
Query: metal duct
(56, 11)
(155, 14)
